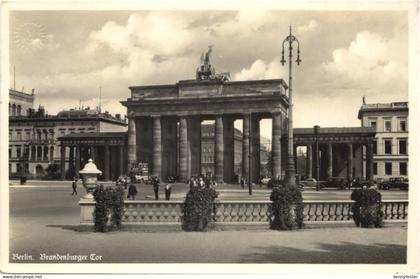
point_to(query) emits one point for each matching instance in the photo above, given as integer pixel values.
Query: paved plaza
(44, 215)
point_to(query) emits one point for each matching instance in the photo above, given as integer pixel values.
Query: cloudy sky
(66, 56)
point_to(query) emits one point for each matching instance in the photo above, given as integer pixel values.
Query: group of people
(201, 181)
(132, 189)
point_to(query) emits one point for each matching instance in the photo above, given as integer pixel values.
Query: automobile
(173, 178)
(359, 183)
(265, 180)
(309, 182)
(394, 182)
(334, 182)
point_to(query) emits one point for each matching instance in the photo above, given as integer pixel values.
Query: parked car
(359, 183)
(394, 182)
(265, 180)
(334, 182)
(309, 182)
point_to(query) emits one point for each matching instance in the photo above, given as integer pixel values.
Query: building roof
(94, 135)
(335, 130)
(382, 107)
(21, 94)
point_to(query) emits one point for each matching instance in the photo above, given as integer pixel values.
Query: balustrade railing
(253, 212)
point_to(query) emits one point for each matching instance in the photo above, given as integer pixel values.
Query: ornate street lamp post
(290, 167)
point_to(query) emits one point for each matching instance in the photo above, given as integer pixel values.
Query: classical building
(20, 103)
(390, 121)
(341, 152)
(207, 149)
(163, 117)
(33, 137)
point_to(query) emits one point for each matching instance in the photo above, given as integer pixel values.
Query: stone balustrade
(241, 212)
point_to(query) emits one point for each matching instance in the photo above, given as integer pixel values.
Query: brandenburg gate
(164, 123)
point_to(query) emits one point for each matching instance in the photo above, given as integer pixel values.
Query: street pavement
(43, 219)
(226, 191)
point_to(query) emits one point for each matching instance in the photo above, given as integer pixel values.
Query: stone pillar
(362, 155)
(329, 161)
(92, 154)
(309, 161)
(106, 162)
(77, 162)
(71, 161)
(121, 160)
(63, 162)
(317, 162)
(132, 143)
(219, 149)
(194, 145)
(183, 149)
(349, 162)
(255, 141)
(369, 161)
(245, 146)
(229, 146)
(276, 146)
(169, 147)
(157, 147)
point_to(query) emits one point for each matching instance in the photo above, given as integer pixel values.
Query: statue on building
(206, 71)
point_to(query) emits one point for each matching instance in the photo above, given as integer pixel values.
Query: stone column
(183, 149)
(362, 170)
(245, 146)
(317, 162)
(256, 149)
(194, 145)
(157, 147)
(229, 146)
(63, 162)
(219, 149)
(329, 161)
(121, 160)
(369, 161)
(92, 153)
(106, 162)
(309, 161)
(349, 162)
(132, 143)
(71, 161)
(77, 162)
(276, 146)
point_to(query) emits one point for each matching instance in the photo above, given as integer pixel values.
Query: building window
(403, 125)
(375, 168)
(388, 146)
(388, 168)
(402, 144)
(375, 147)
(403, 168)
(372, 122)
(18, 152)
(387, 125)
(10, 153)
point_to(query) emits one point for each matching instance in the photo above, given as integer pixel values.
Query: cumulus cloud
(311, 26)
(369, 59)
(261, 70)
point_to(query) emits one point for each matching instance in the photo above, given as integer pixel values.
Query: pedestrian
(156, 187)
(132, 192)
(201, 182)
(74, 186)
(168, 189)
(242, 183)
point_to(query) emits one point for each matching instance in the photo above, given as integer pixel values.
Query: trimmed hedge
(286, 211)
(367, 208)
(199, 209)
(109, 204)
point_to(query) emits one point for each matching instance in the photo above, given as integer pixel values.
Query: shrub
(367, 208)
(199, 208)
(286, 211)
(109, 203)
(53, 172)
